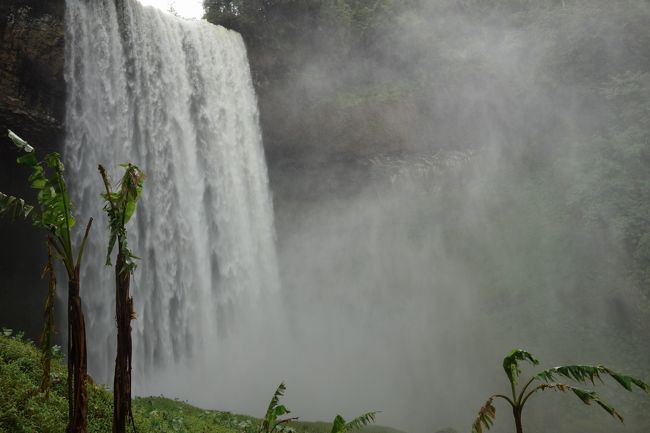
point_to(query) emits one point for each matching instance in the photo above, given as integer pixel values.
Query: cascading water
(176, 98)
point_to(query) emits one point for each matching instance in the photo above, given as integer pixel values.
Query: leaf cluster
(120, 206)
(54, 211)
(272, 419)
(341, 426)
(273, 422)
(511, 363)
(591, 373)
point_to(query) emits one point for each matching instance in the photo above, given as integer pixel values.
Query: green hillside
(24, 410)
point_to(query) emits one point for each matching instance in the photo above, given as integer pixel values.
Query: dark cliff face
(32, 103)
(32, 89)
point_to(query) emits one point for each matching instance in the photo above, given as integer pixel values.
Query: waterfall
(176, 98)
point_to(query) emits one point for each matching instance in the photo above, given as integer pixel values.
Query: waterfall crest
(176, 98)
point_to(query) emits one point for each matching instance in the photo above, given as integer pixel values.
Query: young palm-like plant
(273, 422)
(54, 214)
(272, 419)
(547, 379)
(120, 207)
(341, 426)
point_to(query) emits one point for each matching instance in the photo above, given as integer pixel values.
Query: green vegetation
(548, 378)
(341, 426)
(54, 215)
(272, 419)
(120, 207)
(23, 409)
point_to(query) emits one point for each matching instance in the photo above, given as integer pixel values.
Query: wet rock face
(32, 103)
(32, 88)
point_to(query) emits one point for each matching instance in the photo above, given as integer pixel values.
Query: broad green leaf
(37, 173)
(270, 412)
(511, 363)
(589, 373)
(53, 200)
(272, 420)
(53, 160)
(585, 395)
(38, 183)
(361, 421)
(280, 410)
(28, 159)
(338, 426)
(14, 207)
(120, 206)
(131, 188)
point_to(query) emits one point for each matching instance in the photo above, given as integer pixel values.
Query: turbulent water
(176, 98)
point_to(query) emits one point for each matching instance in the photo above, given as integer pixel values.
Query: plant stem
(48, 326)
(517, 414)
(64, 198)
(77, 360)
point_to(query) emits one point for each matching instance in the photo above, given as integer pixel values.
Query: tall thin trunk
(123, 315)
(48, 323)
(77, 362)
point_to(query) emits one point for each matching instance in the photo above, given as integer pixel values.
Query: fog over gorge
(474, 222)
(372, 201)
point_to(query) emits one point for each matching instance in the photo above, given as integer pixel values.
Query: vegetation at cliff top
(24, 410)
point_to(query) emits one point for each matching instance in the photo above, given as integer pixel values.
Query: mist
(444, 214)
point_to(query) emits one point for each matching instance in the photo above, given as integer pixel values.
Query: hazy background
(451, 179)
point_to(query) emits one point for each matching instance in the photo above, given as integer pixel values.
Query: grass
(24, 410)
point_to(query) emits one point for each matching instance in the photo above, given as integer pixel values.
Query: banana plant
(54, 215)
(120, 207)
(272, 419)
(548, 380)
(341, 426)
